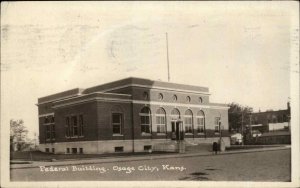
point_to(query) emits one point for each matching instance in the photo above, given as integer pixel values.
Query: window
(53, 131)
(160, 96)
(188, 99)
(161, 120)
(68, 150)
(119, 149)
(53, 150)
(145, 120)
(51, 119)
(200, 99)
(174, 98)
(80, 125)
(47, 150)
(68, 127)
(46, 120)
(74, 125)
(81, 150)
(175, 114)
(117, 123)
(200, 122)
(48, 132)
(74, 150)
(188, 121)
(217, 120)
(147, 148)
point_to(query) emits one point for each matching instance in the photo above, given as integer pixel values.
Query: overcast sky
(240, 50)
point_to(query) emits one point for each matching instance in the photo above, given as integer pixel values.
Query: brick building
(129, 115)
(278, 120)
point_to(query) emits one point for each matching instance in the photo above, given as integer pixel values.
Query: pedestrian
(215, 147)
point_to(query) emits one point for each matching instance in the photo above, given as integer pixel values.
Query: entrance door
(177, 131)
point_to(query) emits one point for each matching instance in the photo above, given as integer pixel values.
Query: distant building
(129, 115)
(271, 127)
(271, 120)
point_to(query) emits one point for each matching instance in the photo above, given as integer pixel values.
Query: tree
(18, 135)
(239, 116)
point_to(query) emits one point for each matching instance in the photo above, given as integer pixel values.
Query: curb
(140, 158)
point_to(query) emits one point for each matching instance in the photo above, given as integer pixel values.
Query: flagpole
(168, 57)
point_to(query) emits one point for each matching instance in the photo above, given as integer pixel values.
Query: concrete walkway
(35, 164)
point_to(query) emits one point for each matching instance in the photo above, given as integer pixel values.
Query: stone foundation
(126, 146)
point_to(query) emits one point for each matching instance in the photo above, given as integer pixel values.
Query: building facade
(269, 121)
(129, 115)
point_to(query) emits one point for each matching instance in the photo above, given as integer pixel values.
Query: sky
(240, 50)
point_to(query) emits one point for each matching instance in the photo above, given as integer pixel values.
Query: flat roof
(132, 81)
(126, 82)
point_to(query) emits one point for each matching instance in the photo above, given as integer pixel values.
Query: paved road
(256, 166)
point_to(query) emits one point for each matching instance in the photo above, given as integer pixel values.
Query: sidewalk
(36, 164)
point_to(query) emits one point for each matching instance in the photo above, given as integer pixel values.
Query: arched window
(175, 114)
(174, 97)
(200, 99)
(161, 120)
(188, 99)
(160, 96)
(188, 121)
(200, 122)
(145, 120)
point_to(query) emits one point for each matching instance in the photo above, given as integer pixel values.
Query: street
(255, 166)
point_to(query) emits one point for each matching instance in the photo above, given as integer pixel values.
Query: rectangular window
(67, 127)
(80, 125)
(147, 147)
(68, 150)
(46, 120)
(47, 150)
(74, 126)
(145, 124)
(119, 149)
(81, 150)
(53, 131)
(48, 132)
(53, 150)
(117, 123)
(74, 150)
(51, 119)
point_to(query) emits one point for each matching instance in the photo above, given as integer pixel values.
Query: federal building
(130, 115)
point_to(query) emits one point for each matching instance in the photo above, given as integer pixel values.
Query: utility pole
(168, 57)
